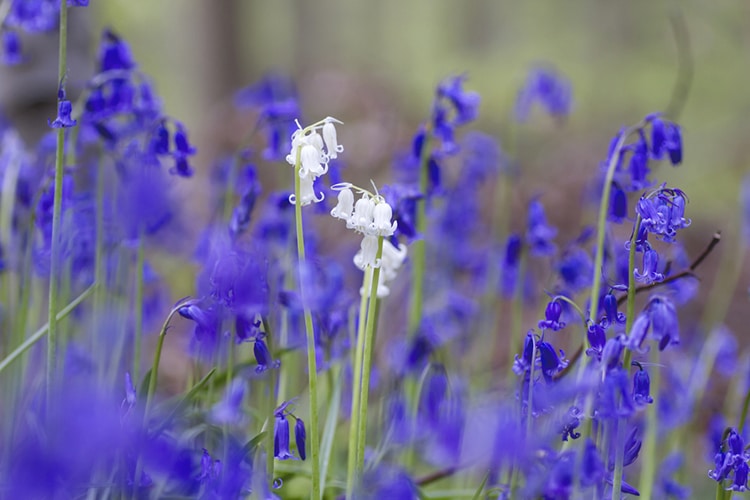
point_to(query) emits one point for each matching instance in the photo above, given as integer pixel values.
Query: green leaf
(184, 400)
(251, 445)
(329, 429)
(481, 486)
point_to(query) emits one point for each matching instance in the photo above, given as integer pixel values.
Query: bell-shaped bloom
(345, 206)
(281, 438)
(333, 148)
(367, 255)
(11, 48)
(552, 364)
(263, 357)
(642, 388)
(300, 436)
(306, 192)
(363, 214)
(552, 317)
(539, 234)
(63, 119)
(666, 137)
(310, 162)
(382, 225)
(545, 86)
(650, 273)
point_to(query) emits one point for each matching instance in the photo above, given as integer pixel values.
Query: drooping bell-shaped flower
(310, 162)
(63, 120)
(300, 436)
(368, 252)
(552, 317)
(650, 273)
(332, 145)
(345, 207)
(382, 225)
(363, 214)
(281, 438)
(642, 388)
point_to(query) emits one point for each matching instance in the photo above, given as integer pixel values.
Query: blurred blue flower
(548, 88)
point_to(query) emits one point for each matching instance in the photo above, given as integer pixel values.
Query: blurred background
(375, 65)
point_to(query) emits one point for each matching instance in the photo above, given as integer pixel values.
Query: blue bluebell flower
(571, 421)
(638, 165)
(114, 53)
(666, 137)
(642, 388)
(129, 392)
(263, 356)
(575, 268)
(11, 44)
(611, 315)
(597, 338)
(552, 317)
(539, 234)
(34, 16)
(229, 409)
(731, 462)
(275, 97)
(650, 269)
(546, 86)
(618, 204)
(663, 213)
(281, 438)
(551, 363)
(300, 436)
(63, 119)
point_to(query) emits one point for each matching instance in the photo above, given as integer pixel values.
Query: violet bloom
(666, 138)
(300, 436)
(63, 119)
(663, 214)
(263, 357)
(575, 268)
(650, 269)
(11, 44)
(552, 317)
(551, 363)
(114, 53)
(453, 106)
(642, 388)
(539, 234)
(281, 438)
(732, 463)
(545, 86)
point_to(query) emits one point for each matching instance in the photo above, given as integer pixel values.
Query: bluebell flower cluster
(210, 406)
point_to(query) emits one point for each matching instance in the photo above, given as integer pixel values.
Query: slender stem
(629, 318)
(99, 265)
(516, 312)
(155, 365)
(138, 307)
(310, 334)
(614, 159)
(271, 404)
(649, 451)
(354, 443)
(367, 358)
(44, 330)
(416, 307)
(56, 214)
(619, 446)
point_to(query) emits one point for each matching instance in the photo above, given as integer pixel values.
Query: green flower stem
(56, 216)
(357, 388)
(152, 390)
(155, 365)
(138, 307)
(516, 311)
(602, 223)
(367, 358)
(271, 404)
(416, 306)
(629, 318)
(99, 265)
(44, 330)
(649, 451)
(310, 334)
